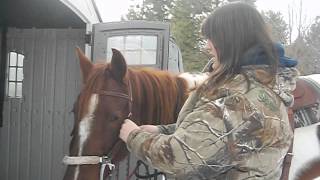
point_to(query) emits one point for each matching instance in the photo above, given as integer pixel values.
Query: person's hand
(150, 129)
(127, 127)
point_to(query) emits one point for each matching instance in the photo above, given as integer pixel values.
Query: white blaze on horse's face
(194, 80)
(85, 127)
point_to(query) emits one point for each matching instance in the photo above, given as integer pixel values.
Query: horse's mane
(159, 94)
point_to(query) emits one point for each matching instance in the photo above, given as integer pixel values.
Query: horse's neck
(157, 98)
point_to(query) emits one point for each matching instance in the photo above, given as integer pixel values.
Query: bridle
(120, 95)
(102, 160)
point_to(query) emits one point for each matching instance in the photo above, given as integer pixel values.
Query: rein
(147, 175)
(103, 160)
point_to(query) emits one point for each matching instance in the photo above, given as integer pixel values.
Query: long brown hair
(234, 29)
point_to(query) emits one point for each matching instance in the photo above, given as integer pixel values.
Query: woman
(234, 126)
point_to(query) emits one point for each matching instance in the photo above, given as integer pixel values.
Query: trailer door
(142, 43)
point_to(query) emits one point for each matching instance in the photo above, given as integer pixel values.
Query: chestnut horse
(111, 93)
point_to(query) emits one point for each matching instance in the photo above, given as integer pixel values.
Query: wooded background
(186, 16)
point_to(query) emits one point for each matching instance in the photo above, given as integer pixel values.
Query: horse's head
(102, 105)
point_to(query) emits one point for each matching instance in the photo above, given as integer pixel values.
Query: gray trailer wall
(2, 72)
(36, 129)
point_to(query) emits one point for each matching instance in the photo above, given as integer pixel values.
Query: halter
(102, 160)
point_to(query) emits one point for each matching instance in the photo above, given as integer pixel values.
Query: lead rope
(147, 175)
(132, 173)
(102, 168)
(104, 163)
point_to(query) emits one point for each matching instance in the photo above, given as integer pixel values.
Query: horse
(111, 93)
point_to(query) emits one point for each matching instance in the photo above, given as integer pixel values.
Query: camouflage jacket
(238, 133)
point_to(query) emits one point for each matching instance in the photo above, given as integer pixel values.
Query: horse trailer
(40, 77)
(40, 80)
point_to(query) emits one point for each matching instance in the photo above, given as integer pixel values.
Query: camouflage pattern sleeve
(167, 129)
(197, 138)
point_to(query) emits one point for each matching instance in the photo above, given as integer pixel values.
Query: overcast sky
(112, 11)
(310, 8)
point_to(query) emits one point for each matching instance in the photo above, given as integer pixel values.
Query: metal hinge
(88, 38)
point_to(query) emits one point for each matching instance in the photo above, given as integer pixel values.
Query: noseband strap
(90, 160)
(82, 160)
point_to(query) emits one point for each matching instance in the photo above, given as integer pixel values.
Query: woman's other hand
(127, 127)
(150, 129)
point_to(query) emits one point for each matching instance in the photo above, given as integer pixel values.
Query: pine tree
(155, 10)
(134, 13)
(313, 43)
(187, 16)
(151, 10)
(250, 2)
(279, 28)
(313, 36)
(306, 48)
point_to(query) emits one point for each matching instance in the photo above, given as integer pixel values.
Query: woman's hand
(150, 128)
(127, 127)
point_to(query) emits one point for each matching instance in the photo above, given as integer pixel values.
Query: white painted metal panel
(36, 130)
(175, 58)
(84, 9)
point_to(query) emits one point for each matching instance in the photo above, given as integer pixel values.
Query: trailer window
(14, 75)
(137, 49)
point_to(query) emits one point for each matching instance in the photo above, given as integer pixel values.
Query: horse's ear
(118, 65)
(85, 64)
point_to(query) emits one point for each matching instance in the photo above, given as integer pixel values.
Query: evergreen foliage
(186, 16)
(279, 28)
